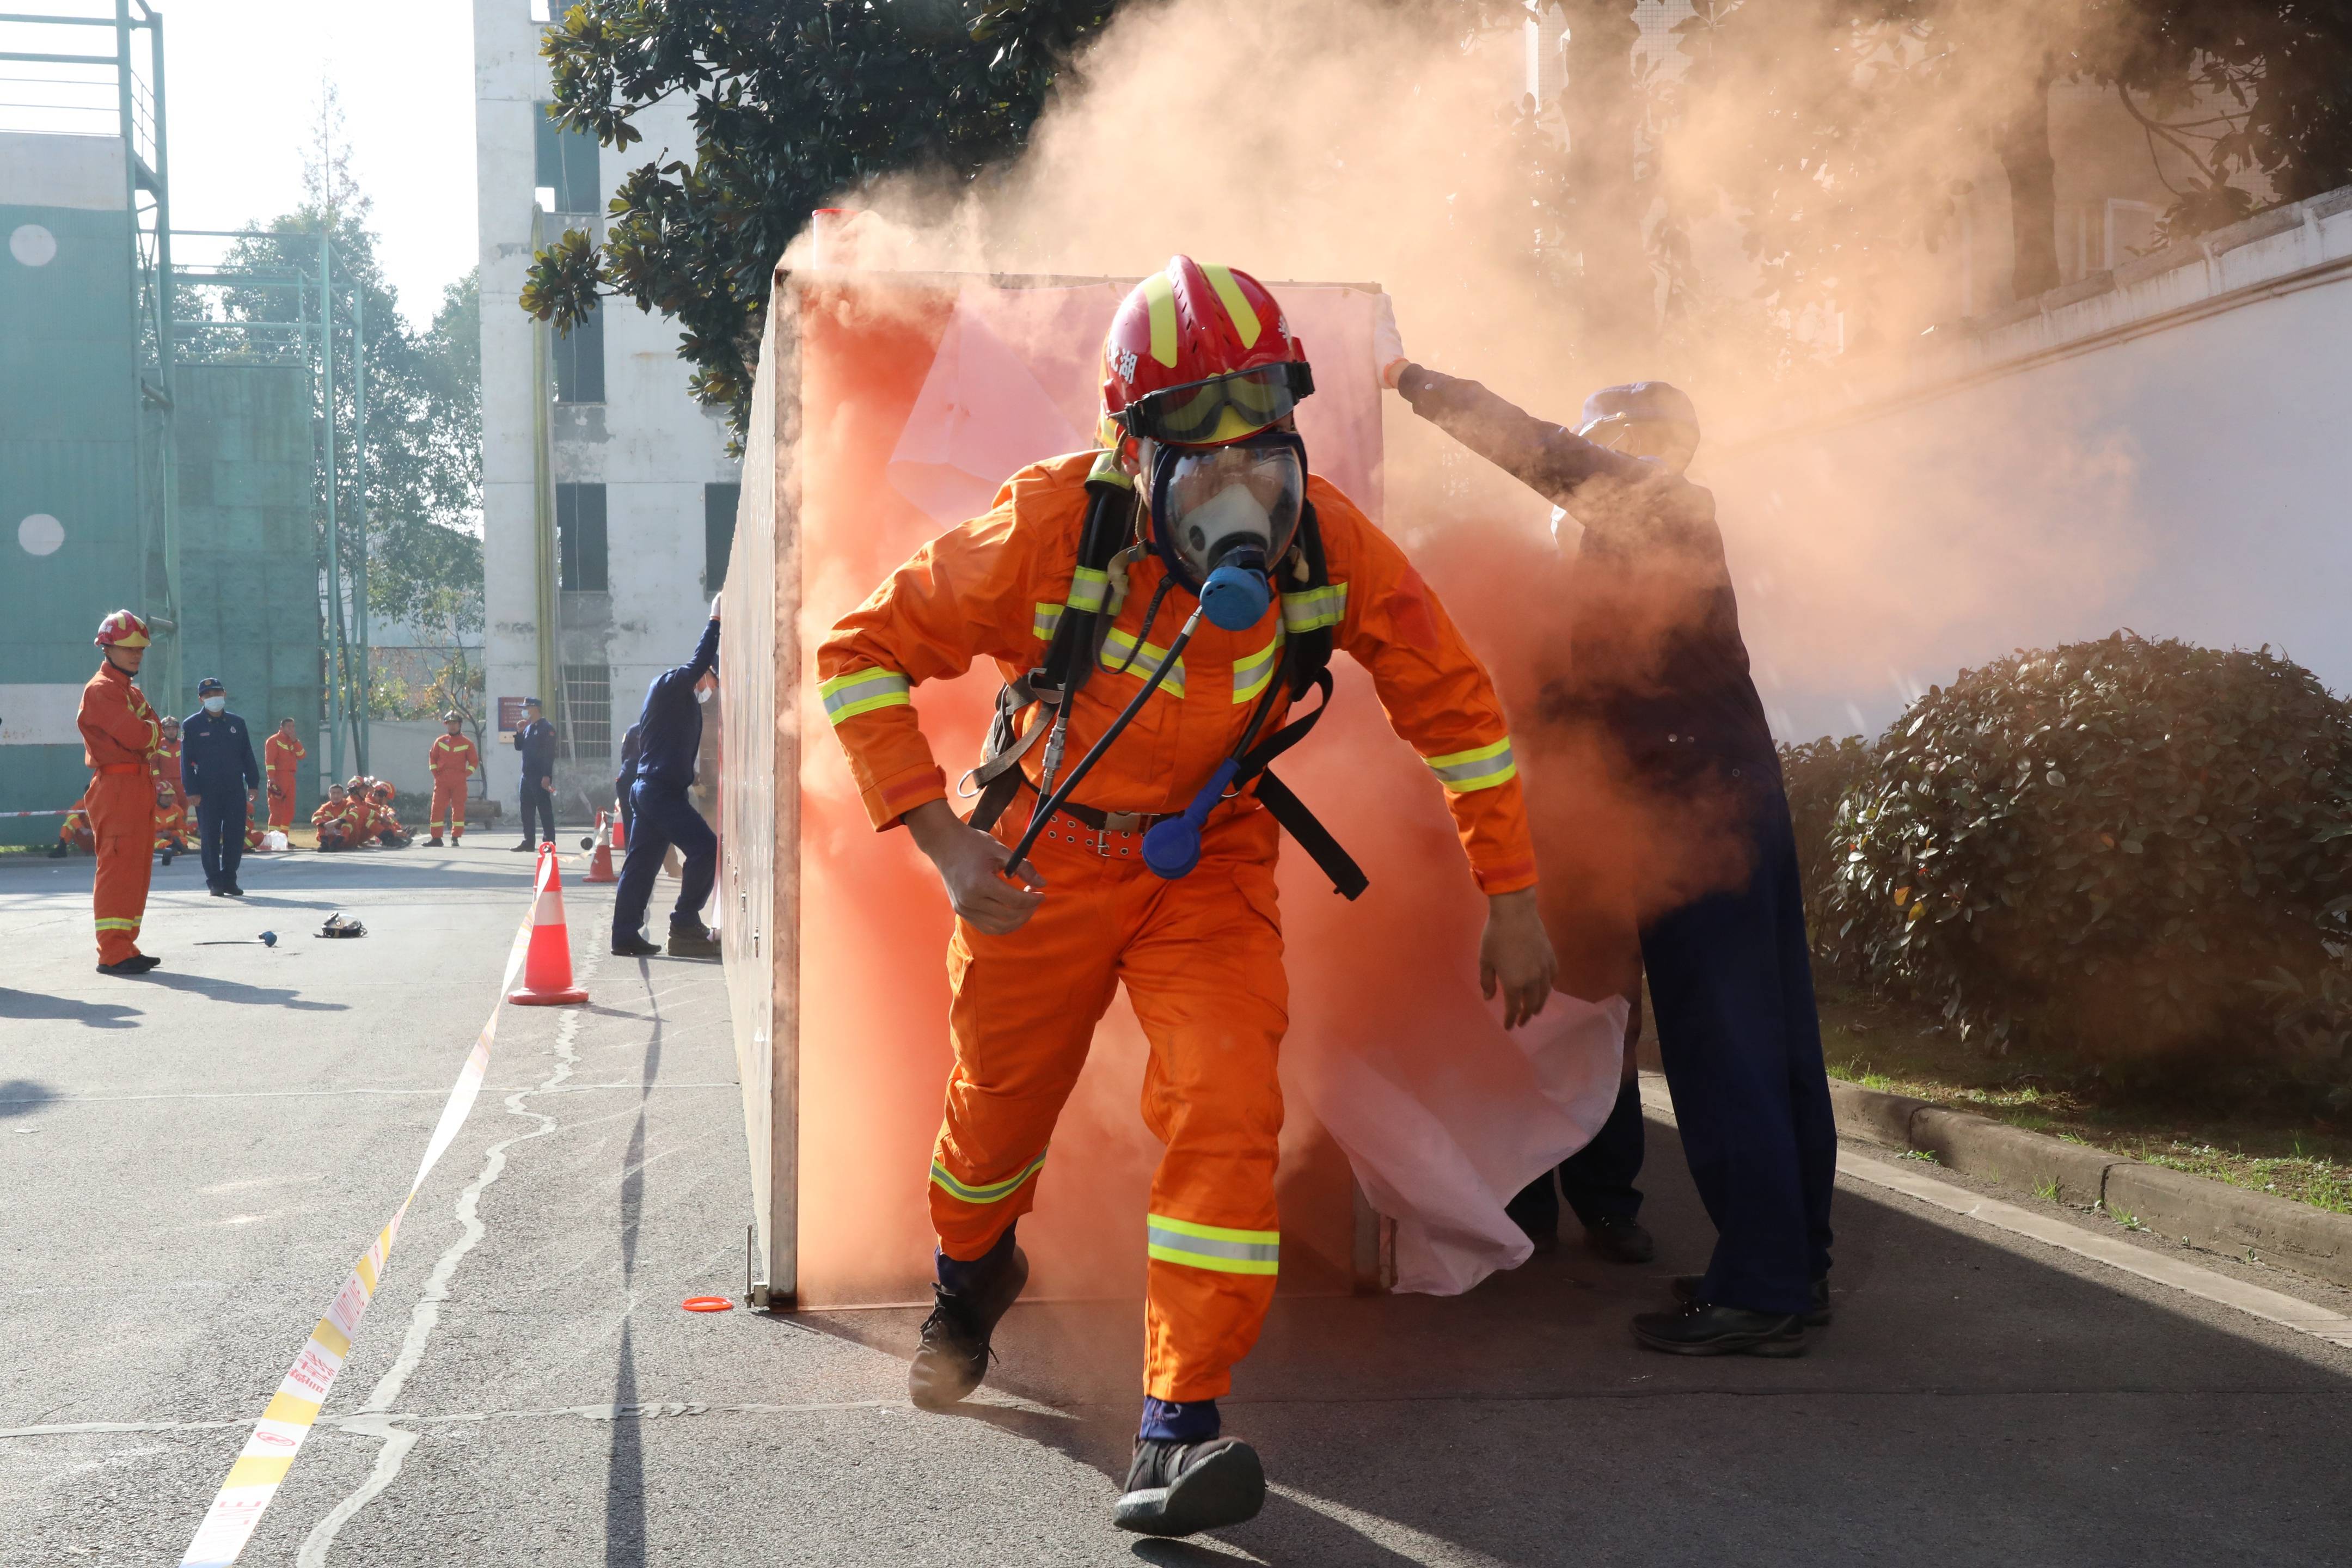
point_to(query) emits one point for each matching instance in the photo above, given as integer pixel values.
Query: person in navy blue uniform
(218, 774)
(536, 742)
(1658, 668)
(669, 739)
(626, 777)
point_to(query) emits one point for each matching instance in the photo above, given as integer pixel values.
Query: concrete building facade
(608, 498)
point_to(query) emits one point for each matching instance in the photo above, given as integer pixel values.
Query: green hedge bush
(2103, 848)
(1820, 775)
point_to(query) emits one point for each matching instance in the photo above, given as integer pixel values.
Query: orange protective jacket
(164, 764)
(330, 814)
(994, 588)
(280, 755)
(453, 758)
(171, 826)
(119, 730)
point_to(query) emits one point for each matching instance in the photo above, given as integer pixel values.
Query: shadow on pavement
(1971, 1403)
(238, 991)
(22, 1096)
(66, 1010)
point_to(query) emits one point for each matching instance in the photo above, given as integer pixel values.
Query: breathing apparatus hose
(1051, 804)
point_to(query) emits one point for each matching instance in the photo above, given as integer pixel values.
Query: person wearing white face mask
(669, 737)
(220, 775)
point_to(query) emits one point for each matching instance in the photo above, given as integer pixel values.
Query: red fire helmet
(122, 629)
(1200, 355)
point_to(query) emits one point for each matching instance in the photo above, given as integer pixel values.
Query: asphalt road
(189, 1164)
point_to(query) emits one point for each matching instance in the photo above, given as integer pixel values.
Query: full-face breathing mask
(1222, 516)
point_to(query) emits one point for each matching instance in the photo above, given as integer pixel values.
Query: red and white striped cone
(547, 966)
(600, 864)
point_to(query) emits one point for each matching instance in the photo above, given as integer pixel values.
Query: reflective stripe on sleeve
(1482, 768)
(864, 690)
(1212, 1246)
(1312, 609)
(1253, 671)
(1119, 646)
(989, 1192)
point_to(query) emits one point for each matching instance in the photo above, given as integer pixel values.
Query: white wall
(2163, 450)
(651, 446)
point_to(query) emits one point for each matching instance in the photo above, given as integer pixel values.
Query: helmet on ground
(1200, 370)
(122, 629)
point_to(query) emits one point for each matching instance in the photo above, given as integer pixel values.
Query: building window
(580, 361)
(579, 549)
(566, 164)
(719, 503)
(587, 733)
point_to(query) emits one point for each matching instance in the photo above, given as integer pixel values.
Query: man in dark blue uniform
(219, 775)
(536, 742)
(626, 777)
(669, 738)
(1658, 670)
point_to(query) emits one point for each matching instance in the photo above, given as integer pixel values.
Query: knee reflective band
(1212, 1246)
(991, 1193)
(1481, 768)
(862, 691)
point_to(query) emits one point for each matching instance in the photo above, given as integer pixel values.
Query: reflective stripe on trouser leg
(1207, 979)
(1023, 1011)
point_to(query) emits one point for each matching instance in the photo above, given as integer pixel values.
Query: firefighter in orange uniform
(454, 760)
(333, 819)
(120, 733)
(164, 763)
(1203, 505)
(171, 823)
(74, 832)
(281, 760)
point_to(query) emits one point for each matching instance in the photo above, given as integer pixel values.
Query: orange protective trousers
(448, 805)
(1201, 961)
(281, 798)
(122, 816)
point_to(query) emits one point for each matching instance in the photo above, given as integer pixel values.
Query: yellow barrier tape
(270, 1453)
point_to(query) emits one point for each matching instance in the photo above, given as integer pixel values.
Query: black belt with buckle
(1101, 821)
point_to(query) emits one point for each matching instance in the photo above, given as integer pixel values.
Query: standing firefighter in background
(1203, 506)
(118, 733)
(282, 758)
(164, 764)
(222, 778)
(669, 740)
(453, 761)
(1658, 670)
(536, 743)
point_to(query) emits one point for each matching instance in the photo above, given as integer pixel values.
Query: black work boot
(633, 946)
(953, 1356)
(1710, 1330)
(1177, 1488)
(693, 942)
(1620, 1241)
(1685, 1289)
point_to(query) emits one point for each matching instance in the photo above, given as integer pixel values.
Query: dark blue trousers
(220, 827)
(1597, 1180)
(1732, 985)
(664, 817)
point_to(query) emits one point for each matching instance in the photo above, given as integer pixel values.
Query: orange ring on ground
(708, 1304)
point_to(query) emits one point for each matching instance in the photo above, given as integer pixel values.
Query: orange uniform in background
(282, 759)
(171, 823)
(1201, 956)
(75, 830)
(332, 819)
(118, 733)
(454, 760)
(165, 765)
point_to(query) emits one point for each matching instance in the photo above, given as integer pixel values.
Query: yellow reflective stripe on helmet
(1212, 1246)
(864, 690)
(1251, 672)
(1312, 609)
(1236, 303)
(1048, 617)
(987, 1193)
(1160, 295)
(1089, 589)
(1482, 768)
(1117, 649)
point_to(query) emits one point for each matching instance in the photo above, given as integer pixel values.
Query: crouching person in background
(333, 819)
(669, 738)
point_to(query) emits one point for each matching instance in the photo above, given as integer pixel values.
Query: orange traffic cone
(547, 967)
(600, 867)
(620, 834)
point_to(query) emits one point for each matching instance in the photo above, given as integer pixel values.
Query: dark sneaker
(693, 942)
(953, 1356)
(634, 946)
(525, 847)
(1685, 1289)
(1720, 1330)
(1620, 1241)
(433, 842)
(137, 963)
(234, 891)
(220, 892)
(1177, 1488)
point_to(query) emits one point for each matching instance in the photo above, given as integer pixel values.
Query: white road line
(2159, 1267)
(373, 1417)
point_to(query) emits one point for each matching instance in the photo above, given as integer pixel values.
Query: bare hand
(973, 865)
(1516, 954)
